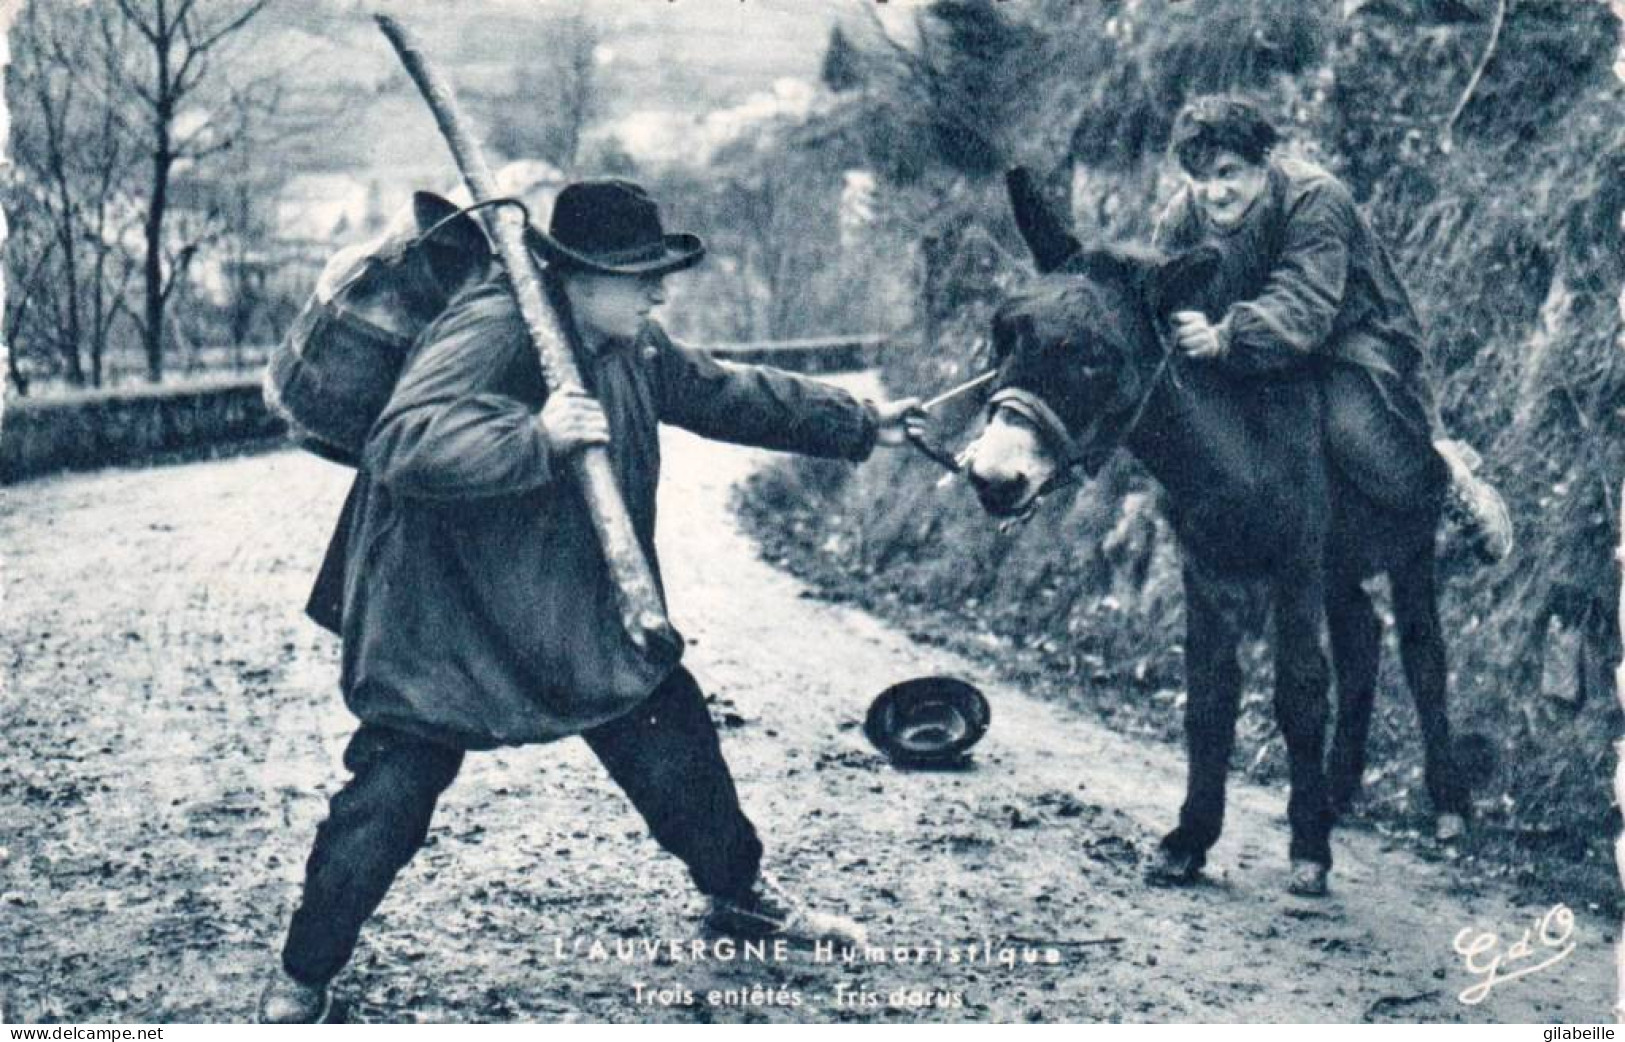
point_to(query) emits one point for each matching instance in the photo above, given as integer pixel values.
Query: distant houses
(322, 211)
(316, 214)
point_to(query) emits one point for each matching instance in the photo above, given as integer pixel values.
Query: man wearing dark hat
(476, 611)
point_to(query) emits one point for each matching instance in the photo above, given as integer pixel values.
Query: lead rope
(1067, 472)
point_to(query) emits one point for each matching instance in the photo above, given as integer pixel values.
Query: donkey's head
(1076, 350)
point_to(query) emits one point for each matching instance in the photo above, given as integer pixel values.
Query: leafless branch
(1447, 139)
(23, 292)
(121, 306)
(183, 13)
(247, 15)
(133, 17)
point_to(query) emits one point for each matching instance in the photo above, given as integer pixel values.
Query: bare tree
(189, 114)
(74, 154)
(245, 193)
(33, 252)
(54, 93)
(577, 89)
(555, 100)
(774, 210)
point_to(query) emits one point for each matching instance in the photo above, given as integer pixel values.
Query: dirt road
(173, 730)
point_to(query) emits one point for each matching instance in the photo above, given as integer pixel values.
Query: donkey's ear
(1179, 280)
(1045, 233)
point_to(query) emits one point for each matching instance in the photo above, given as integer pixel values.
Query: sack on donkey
(332, 375)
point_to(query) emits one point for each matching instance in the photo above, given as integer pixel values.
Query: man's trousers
(664, 754)
(1380, 430)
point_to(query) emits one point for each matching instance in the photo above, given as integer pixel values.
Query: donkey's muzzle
(1002, 496)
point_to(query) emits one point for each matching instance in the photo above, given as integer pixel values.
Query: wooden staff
(638, 598)
(1619, 777)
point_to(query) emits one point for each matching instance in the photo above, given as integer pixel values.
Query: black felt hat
(613, 227)
(927, 721)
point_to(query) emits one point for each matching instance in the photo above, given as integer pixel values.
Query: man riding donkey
(1303, 279)
(463, 511)
(1293, 434)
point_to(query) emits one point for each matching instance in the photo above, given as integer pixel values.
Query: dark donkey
(1253, 498)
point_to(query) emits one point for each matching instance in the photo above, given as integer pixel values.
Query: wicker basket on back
(333, 373)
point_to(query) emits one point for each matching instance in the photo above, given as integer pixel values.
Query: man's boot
(767, 910)
(286, 1001)
(1474, 505)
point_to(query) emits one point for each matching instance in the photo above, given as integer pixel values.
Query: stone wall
(103, 428)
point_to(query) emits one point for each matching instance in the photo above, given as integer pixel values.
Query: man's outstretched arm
(769, 408)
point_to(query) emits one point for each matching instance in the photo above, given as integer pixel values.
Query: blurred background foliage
(1498, 179)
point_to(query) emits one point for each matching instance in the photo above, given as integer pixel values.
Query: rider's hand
(899, 420)
(571, 421)
(1196, 336)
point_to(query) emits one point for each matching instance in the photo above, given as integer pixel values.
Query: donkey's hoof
(1172, 868)
(1449, 827)
(1308, 879)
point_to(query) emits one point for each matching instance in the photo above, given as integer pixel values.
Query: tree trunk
(163, 157)
(57, 114)
(18, 380)
(72, 327)
(152, 333)
(98, 305)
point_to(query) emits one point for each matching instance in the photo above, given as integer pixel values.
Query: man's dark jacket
(1302, 276)
(465, 578)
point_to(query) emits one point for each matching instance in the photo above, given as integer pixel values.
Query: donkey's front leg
(1301, 679)
(1213, 613)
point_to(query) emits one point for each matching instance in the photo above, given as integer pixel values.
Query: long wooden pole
(639, 599)
(1619, 776)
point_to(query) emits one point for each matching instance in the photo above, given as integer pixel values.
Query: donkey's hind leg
(1356, 637)
(1421, 648)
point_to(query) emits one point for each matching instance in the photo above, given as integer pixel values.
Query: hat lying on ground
(927, 721)
(612, 227)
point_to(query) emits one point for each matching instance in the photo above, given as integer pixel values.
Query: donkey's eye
(1016, 418)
